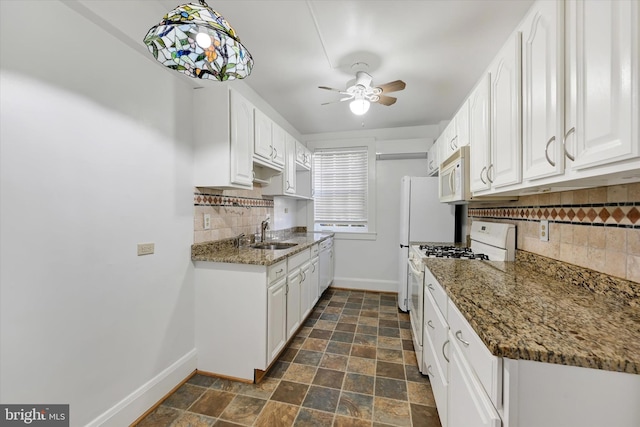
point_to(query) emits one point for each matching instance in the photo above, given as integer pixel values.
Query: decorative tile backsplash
(617, 215)
(597, 228)
(233, 212)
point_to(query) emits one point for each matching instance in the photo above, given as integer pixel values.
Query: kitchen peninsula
(250, 302)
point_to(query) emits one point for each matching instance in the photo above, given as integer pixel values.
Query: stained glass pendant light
(197, 41)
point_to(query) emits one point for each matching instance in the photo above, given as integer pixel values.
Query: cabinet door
(602, 81)
(278, 141)
(506, 152)
(241, 141)
(314, 282)
(294, 281)
(542, 91)
(462, 125)
(480, 134)
(432, 159)
(263, 146)
(290, 166)
(276, 318)
(305, 291)
(468, 404)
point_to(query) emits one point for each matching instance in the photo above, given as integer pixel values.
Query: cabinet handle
(272, 149)
(459, 336)
(443, 353)
(288, 186)
(564, 143)
(431, 288)
(454, 143)
(429, 370)
(286, 291)
(483, 169)
(430, 323)
(488, 173)
(546, 151)
(274, 153)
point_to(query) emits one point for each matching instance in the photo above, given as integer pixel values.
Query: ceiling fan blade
(339, 100)
(392, 86)
(386, 100)
(333, 89)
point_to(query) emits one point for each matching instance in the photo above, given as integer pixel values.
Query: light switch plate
(544, 230)
(146, 248)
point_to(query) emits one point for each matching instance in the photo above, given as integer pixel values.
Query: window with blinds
(341, 177)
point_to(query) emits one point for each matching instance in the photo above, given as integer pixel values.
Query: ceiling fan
(361, 93)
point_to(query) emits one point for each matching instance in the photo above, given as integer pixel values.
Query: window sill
(355, 236)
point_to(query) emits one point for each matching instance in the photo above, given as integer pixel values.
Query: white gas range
(489, 241)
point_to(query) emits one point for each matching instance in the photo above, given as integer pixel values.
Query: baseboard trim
(366, 284)
(130, 409)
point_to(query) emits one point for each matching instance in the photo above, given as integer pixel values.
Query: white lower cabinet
(474, 388)
(326, 264)
(468, 404)
(276, 318)
(294, 282)
(233, 302)
(297, 287)
(314, 277)
(305, 290)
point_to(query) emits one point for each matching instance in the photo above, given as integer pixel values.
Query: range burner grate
(432, 251)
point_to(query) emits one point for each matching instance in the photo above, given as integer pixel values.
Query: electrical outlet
(544, 230)
(286, 210)
(146, 248)
(207, 221)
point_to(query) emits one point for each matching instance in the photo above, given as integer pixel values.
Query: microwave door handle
(452, 177)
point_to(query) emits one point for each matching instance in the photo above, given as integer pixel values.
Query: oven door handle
(413, 269)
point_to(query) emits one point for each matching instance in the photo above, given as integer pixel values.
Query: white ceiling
(438, 47)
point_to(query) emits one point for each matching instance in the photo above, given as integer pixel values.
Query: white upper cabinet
(223, 137)
(278, 140)
(241, 141)
(580, 93)
(290, 165)
(284, 184)
(462, 126)
(456, 134)
(506, 153)
(303, 157)
(602, 82)
(433, 160)
(480, 135)
(269, 142)
(542, 90)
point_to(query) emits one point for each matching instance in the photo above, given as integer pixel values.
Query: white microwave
(454, 177)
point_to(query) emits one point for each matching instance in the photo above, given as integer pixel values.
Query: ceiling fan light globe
(359, 106)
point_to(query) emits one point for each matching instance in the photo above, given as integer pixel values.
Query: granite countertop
(520, 312)
(226, 251)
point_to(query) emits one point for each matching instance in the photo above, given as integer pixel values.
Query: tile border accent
(626, 215)
(200, 199)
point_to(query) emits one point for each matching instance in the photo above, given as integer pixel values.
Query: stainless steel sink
(273, 245)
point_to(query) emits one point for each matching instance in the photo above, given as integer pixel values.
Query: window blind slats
(341, 185)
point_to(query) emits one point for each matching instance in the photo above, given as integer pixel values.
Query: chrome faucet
(264, 225)
(236, 240)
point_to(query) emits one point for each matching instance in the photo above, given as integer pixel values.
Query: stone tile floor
(351, 364)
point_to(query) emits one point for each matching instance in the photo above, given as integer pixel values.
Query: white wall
(373, 264)
(95, 158)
